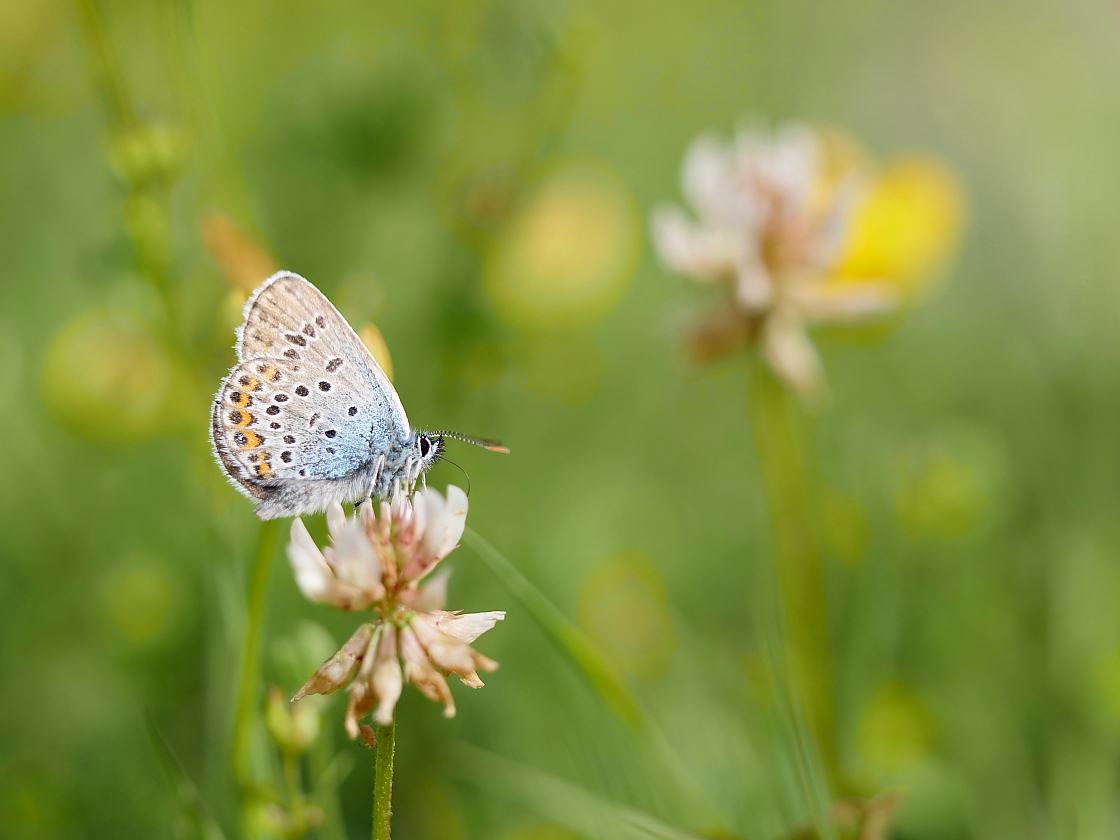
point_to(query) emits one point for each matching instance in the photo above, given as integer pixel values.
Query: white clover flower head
(770, 223)
(384, 563)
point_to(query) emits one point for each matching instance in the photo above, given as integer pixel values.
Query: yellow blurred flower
(801, 231)
(106, 378)
(905, 225)
(568, 254)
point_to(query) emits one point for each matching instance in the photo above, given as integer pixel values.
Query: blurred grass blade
(804, 749)
(572, 641)
(191, 804)
(556, 800)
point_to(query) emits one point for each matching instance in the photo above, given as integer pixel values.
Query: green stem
(104, 66)
(249, 685)
(776, 419)
(296, 805)
(383, 784)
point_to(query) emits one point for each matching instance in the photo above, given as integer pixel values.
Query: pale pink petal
(363, 697)
(337, 671)
(418, 670)
(432, 595)
(336, 519)
(451, 654)
(754, 288)
(792, 356)
(795, 165)
(707, 180)
(442, 538)
(845, 302)
(700, 253)
(355, 559)
(314, 577)
(387, 678)
(467, 628)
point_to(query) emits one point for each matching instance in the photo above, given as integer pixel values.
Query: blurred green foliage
(399, 156)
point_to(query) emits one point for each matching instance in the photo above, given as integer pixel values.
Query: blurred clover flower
(802, 232)
(378, 563)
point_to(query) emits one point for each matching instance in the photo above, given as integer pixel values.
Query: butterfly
(307, 417)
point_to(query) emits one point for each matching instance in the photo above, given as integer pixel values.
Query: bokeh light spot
(941, 499)
(106, 378)
(897, 729)
(623, 608)
(139, 604)
(568, 256)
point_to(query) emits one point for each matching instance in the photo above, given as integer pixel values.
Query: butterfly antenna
(492, 445)
(463, 471)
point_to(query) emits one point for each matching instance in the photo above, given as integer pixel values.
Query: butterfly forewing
(289, 319)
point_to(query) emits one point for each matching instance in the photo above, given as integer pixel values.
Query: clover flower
(782, 220)
(384, 563)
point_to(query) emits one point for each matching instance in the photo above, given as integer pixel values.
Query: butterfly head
(429, 448)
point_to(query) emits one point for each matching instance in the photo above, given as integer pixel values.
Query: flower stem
(249, 685)
(383, 783)
(777, 418)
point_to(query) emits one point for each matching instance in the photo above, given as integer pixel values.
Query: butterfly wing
(275, 421)
(288, 318)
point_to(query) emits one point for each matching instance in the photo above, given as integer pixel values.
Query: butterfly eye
(425, 446)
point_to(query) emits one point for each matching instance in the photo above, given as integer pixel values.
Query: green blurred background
(404, 160)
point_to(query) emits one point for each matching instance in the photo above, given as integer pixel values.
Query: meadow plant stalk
(383, 783)
(777, 422)
(250, 679)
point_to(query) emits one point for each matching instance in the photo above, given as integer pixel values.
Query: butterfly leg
(376, 474)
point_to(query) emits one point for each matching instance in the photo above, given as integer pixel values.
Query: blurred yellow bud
(106, 378)
(568, 255)
(941, 499)
(293, 726)
(375, 342)
(897, 729)
(149, 155)
(905, 226)
(623, 608)
(243, 261)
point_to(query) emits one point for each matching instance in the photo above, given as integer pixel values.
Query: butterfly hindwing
(276, 421)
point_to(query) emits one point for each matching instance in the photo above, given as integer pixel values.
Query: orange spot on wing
(240, 398)
(253, 440)
(246, 419)
(264, 469)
